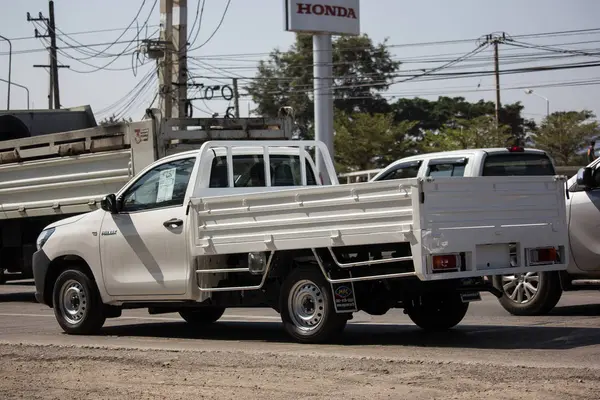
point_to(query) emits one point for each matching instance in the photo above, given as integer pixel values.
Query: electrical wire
(216, 29)
(198, 19)
(103, 52)
(124, 98)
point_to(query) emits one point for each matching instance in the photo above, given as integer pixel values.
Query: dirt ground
(63, 372)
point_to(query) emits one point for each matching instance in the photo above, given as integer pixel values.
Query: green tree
(564, 134)
(367, 141)
(362, 70)
(479, 132)
(434, 115)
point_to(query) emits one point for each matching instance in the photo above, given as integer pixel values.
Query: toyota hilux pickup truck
(251, 224)
(531, 293)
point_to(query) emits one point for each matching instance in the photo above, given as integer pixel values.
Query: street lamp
(21, 86)
(9, 69)
(530, 91)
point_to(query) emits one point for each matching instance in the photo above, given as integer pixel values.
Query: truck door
(143, 247)
(584, 225)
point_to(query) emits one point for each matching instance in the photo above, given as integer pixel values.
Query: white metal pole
(322, 70)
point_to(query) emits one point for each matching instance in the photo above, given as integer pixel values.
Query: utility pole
(495, 39)
(165, 89)
(236, 97)
(50, 33)
(497, 72)
(179, 54)
(173, 71)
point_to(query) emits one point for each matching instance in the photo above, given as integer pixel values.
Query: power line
(216, 29)
(83, 32)
(103, 52)
(197, 19)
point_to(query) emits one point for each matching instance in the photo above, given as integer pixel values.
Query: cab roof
(463, 152)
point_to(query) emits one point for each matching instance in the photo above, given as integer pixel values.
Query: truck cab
(511, 161)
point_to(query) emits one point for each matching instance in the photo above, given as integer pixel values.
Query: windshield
(522, 164)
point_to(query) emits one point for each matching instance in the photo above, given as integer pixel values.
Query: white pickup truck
(248, 224)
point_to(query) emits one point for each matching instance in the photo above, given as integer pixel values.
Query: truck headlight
(43, 237)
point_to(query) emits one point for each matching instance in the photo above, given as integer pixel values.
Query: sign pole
(322, 70)
(322, 19)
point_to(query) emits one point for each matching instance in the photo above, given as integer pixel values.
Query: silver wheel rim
(73, 302)
(306, 305)
(521, 288)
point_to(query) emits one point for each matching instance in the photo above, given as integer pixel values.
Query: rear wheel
(533, 293)
(437, 312)
(307, 309)
(202, 316)
(77, 304)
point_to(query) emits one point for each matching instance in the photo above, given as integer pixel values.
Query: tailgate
(491, 224)
(304, 218)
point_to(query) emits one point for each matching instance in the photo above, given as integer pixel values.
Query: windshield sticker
(166, 183)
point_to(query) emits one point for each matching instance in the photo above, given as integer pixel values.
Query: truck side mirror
(585, 178)
(109, 204)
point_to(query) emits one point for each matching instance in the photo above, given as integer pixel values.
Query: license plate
(470, 296)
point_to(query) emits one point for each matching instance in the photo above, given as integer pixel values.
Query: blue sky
(257, 27)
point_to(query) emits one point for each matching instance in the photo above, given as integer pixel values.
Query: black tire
(77, 304)
(549, 292)
(2, 276)
(308, 284)
(437, 312)
(202, 316)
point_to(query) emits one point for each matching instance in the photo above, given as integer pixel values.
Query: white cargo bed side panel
(483, 215)
(61, 185)
(314, 217)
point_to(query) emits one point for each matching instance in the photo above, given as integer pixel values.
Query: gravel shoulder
(69, 372)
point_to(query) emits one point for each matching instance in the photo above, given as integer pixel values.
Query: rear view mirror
(585, 178)
(109, 204)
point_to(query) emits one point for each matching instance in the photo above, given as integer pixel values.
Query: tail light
(446, 262)
(542, 256)
(516, 149)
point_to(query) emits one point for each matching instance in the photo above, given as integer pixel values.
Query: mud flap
(344, 300)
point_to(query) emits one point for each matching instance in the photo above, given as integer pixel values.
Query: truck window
(517, 164)
(402, 171)
(163, 186)
(446, 169)
(248, 171)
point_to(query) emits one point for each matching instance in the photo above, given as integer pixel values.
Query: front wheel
(307, 309)
(533, 293)
(77, 304)
(437, 312)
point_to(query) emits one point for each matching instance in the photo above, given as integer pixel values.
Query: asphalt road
(568, 337)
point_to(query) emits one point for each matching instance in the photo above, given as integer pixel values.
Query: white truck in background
(248, 224)
(49, 177)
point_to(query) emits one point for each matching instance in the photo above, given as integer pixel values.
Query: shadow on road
(23, 297)
(586, 310)
(465, 336)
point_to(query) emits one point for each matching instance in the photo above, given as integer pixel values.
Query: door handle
(173, 222)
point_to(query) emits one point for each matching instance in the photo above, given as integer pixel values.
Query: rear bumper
(41, 263)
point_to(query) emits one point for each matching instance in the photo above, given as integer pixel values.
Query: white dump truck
(250, 224)
(49, 177)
